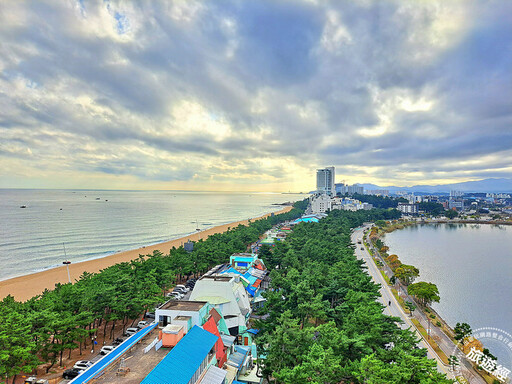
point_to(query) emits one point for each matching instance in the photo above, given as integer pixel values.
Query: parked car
(190, 284)
(362, 248)
(35, 380)
(83, 364)
(142, 324)
(131, 331)
(182, 287)
(117, 341)
(72, 373)
(181, 290)
(177, 295)
(106, 349)
(150, 315)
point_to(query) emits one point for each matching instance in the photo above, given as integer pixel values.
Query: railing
(99, 367)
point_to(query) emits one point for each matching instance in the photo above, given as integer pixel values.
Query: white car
(181, 286)
(176, 295)
(83, 364)
(142, 324)
(131, 331)
(106, 349)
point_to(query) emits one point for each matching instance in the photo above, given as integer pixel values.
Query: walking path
(444, 342)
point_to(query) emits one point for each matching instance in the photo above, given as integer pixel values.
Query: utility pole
(66, 263)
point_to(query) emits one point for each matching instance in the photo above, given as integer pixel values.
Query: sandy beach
(25, 287)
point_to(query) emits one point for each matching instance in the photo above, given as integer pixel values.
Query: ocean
(78, 225)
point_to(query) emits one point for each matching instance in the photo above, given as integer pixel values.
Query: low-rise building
(198, 311)
(187, 361)
(228, 296)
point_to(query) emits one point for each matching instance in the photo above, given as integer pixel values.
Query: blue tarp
(108, 359)
(184, 359)
(252, 279)
(251, 290)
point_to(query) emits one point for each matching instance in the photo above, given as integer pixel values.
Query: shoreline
(24, 287)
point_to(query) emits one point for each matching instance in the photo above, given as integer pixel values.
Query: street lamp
(67, 267)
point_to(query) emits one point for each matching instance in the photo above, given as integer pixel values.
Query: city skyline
(253, 96)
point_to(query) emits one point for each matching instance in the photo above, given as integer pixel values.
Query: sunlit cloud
(253, 95)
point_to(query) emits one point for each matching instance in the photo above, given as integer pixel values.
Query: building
(356, 188)
(408, 209)
(457, 204)
(187, 361)
(320, 203)
(242, 260)
(377, 192)
(187, 313)
(325, 181)
(214, 375)
(341, 188)
(228, 296)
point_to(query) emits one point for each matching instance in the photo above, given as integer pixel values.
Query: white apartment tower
(325, 180)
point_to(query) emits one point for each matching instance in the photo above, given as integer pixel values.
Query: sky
(253, 95)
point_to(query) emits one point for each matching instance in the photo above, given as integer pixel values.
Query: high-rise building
(325, 180)
(340, 188)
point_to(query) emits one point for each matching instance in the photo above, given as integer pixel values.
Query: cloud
(254, 93)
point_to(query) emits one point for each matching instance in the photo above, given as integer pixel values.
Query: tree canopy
(324, 323)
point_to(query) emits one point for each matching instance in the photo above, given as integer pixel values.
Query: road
(395, 310)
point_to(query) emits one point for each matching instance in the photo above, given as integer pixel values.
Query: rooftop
(184, 359)
(176, 305)
(172, 328)
(216, 278)
(214, 375)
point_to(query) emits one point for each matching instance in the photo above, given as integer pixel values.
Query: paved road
(387, 297)
(395, 310)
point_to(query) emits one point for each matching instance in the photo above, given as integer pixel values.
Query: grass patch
(386, 278)
(431, 341)
(399, 299)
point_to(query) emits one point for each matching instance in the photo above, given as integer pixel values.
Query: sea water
(78, 225)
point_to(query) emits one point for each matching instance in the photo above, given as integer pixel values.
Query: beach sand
(25, 287)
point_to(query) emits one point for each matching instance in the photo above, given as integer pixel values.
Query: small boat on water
(98, 198)
(23, 206)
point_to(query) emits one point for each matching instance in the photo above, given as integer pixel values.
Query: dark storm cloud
(396, 86)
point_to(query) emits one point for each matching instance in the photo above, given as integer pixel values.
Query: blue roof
(95, 370)
(250, 290)
(252, 279)
(184, 359)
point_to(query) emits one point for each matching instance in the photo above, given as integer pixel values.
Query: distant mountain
(485, 185)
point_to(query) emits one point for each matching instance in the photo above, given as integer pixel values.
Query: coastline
(24, 287)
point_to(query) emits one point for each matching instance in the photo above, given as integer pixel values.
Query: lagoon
(471, 264)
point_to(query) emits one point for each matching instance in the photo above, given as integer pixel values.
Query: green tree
(451, 214)
(453, 361)
(407, 273)
(462, 330)
(405, 369)
(425, 293)
(410, 306)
